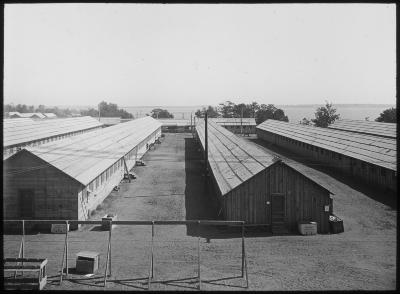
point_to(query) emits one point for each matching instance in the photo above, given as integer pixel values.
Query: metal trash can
(335, 224)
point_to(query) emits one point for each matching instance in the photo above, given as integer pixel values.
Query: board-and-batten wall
(367, 172)
(304, 200)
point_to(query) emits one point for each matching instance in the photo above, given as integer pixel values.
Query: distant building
(33, 115)
(237, 125)
(50, 115)
(109, 121)
(175, 125)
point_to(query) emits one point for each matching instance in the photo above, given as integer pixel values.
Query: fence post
(244, 257)
(109, 241)
(198, 253)
(66, 249)
(23, 243)
(242, 250)
(151, 272)
(108, 259)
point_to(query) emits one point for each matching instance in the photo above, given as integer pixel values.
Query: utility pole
(241, 122)
(205, 144)
(98, 107)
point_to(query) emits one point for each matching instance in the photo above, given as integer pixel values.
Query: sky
(199, 54)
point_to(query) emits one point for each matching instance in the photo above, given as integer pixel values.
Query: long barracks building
(66, 179)
(367, 157)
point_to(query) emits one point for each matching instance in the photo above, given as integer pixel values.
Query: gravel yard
(171, 187)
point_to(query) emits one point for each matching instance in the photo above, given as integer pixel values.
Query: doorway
(278, 213)
(26, 204)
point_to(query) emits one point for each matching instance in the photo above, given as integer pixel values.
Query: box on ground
(307, 228)
(105, 224)
(87, 262)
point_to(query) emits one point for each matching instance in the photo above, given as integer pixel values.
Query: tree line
(228, 109)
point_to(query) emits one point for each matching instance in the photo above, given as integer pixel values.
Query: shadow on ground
(385, 197)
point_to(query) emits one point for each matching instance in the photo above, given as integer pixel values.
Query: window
(91, 186)
(363, 165)
(340, 156)
(383, 172)
(322, 151)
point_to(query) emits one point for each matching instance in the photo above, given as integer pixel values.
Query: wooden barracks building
(25, 132)
(367, 153)
(67, 179)
(257, 187)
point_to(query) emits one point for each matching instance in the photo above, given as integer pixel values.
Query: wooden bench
(25, 265)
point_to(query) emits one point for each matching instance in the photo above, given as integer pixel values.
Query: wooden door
(278, 208)
(26, 204)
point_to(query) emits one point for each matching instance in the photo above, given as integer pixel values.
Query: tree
(325, 115)
(388, 116)
(106, 110)
(161, 113)
(227, 109)
(270, 112)
(305, 121)
(211, 111)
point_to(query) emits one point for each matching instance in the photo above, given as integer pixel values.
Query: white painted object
(307, 228)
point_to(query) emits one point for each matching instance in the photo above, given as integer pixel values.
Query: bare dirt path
(170, 187)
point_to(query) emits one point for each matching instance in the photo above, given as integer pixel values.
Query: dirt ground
(171, 187)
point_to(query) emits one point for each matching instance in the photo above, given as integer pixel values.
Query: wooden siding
(54, 192)
(369, 173)
(305, 200)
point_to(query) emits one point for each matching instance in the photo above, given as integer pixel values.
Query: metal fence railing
(153, 223)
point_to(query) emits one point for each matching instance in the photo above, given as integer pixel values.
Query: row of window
(102, 178)
(334, 155)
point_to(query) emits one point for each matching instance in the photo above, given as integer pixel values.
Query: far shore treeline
(324, 115)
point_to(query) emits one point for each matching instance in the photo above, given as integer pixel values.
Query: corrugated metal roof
(372, 149)
(232, 159)
(85, 156)
(366, 127)
(234, 121)
(19, 131)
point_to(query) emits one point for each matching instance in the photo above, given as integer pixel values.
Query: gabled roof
(366, 127)
(31, 114)
(368, 148)
(23, 130)
(232, 159)
(86, 156)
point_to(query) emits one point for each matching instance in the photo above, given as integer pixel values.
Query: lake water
(295, 113)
